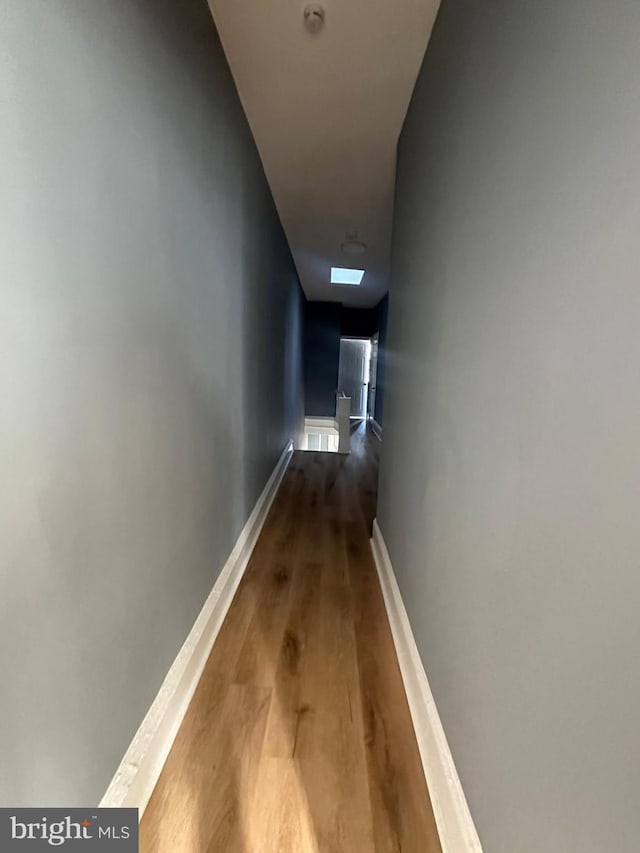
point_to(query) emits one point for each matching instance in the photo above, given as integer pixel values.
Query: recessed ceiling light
(314, 17)
(353, 247)
(340, 275)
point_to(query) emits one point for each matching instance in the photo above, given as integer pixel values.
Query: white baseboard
(455, 824)
(139, 770)
(377, 429)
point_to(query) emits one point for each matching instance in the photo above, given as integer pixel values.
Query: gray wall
(150, 377)
(511, 459)
(382, 314)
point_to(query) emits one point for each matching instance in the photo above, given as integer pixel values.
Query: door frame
(367, 340)
(373, 376)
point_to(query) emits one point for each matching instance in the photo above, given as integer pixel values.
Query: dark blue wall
(358, 322)
(294, 362)
(325, 323)
(321, 357)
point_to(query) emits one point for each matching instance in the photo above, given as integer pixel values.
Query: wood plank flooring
(298, 738)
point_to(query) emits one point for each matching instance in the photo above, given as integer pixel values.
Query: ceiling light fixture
(314, 17)
(340, 275)
(353, 247)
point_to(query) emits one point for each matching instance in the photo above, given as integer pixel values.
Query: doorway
(353, 373)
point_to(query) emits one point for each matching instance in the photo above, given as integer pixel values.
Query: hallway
(425, 645)
(298, 738)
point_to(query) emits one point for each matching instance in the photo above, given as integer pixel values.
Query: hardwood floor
(298, 738)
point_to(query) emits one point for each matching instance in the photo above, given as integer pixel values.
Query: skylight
(340, 275)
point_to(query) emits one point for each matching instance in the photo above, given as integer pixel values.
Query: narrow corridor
(298, 738)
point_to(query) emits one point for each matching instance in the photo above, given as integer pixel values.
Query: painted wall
(150, 341)
(325, 323)
(357, 322)
(293, 366)
(381, 323)
(511, 465)
(321, 357)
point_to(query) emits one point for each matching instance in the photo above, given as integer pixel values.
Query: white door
(353, 373)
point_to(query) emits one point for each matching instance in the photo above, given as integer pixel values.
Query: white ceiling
(326, 111)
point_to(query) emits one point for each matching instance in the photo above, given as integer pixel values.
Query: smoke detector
(353, 247)
(314, 17)
(353, 244)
